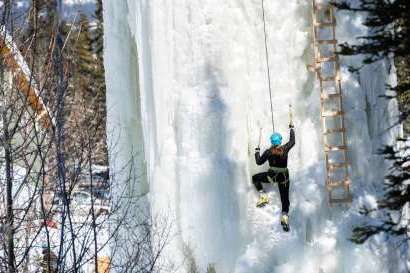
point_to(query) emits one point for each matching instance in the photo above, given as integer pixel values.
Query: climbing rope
(267, 64)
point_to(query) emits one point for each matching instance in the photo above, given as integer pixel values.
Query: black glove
(291, 126)
(257, 149)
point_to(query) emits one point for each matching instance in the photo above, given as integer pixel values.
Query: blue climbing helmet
(276, 139)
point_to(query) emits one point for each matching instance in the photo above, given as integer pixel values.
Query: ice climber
(277, 155)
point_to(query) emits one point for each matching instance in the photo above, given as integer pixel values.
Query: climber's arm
(291, 141)
(261, 159)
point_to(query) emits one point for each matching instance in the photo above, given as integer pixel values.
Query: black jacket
(277, 160)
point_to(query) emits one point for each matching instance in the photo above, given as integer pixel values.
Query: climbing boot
(284, 221)
(263, 200)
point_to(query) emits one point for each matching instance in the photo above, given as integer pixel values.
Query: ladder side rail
(323, 120)
(338, 89)
(316, 32)
(339, 86)
(337, 111)
(315, 39)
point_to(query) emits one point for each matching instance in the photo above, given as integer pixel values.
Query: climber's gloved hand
(257, 150)
(291, 126)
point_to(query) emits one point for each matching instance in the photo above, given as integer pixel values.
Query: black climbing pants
(282, 178)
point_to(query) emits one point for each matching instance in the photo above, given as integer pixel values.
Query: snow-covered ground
(187, 93)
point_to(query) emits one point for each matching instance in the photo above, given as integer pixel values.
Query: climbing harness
(267, 64)
(277, 171)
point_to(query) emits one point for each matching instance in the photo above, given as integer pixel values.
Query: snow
(187, 93)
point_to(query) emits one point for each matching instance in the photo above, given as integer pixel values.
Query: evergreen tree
(36, 40)
(389, 36)
(389, 22)
(85, 60)
(98, 33)
(88, 113)
(387, 218)
(97, 46)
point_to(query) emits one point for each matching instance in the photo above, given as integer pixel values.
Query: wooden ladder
(327, 68)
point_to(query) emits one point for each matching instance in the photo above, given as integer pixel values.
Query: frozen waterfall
(187, 93)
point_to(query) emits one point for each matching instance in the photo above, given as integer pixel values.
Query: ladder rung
(312, 68)
(332, 114)
(331, 184)
(347, 199)
(329, 96)
(329, 148)
(332, 131)
(333, 166)
(324, 24)
(322, 6)
(328, 78)
(327, 41)
(339, 183)
(327, 59)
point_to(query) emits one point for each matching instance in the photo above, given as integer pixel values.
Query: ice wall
(187, 93)
(124, 127)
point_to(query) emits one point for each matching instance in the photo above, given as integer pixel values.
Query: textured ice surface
(187, 93)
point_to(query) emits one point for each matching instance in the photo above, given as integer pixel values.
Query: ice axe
(290, 116)
(260, 137)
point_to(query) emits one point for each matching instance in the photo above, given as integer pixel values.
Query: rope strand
(267, 64)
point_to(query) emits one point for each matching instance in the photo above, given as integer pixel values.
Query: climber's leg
(257, 180)
(283, 186)
(284, 195)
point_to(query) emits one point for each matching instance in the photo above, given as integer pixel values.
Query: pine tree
(389, 23)
(389, 36)
(97, 46)
(84, 58)
(36, 39)
(387, 217)
(88, 86)
(98, 33)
